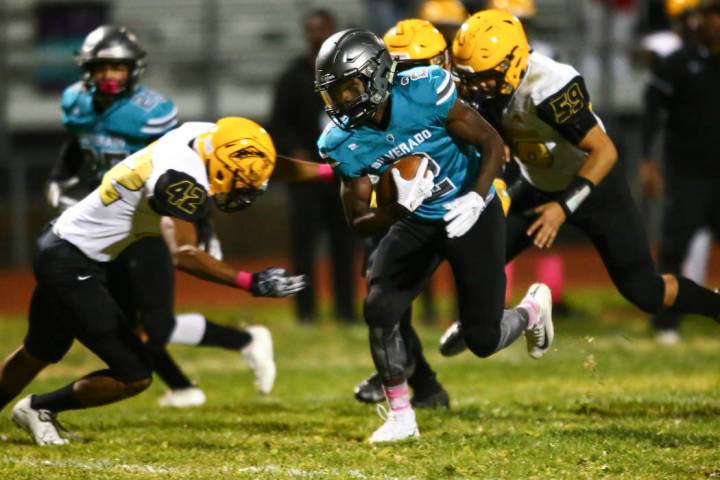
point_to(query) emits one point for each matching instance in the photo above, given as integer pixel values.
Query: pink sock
(532, 312)
(551, 271)
(398, 396)
(509, 272)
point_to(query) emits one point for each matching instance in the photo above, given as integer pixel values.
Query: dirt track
(583, 270)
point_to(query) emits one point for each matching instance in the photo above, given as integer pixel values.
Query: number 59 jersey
(420, 101)
(166, 178)
(545, 119)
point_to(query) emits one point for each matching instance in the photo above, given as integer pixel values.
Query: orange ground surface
(583, 270)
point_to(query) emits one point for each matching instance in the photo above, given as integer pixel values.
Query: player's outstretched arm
(465, 124)
(181, 238)
(295, 170)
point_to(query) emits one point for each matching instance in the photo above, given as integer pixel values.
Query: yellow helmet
(519, 8)
(415, 42)
(439, 12)
(240, 157)
(677, 8)
(491, 44)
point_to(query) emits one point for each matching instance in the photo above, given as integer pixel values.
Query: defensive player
(568, 164)
(174, 177)
(447, 211)
(110, 115)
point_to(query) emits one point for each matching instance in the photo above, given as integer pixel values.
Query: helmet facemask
(240, 158)
(371, 84)
(470, 82)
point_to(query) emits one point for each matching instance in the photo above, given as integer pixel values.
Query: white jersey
(544, 119)
(120, 210)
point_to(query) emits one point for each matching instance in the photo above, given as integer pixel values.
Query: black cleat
(370, 390)
(452, 341)
(432, 397)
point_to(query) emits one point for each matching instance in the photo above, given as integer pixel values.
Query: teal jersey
(126, 126)
(420, 102)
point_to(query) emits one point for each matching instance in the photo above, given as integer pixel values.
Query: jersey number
(132, 179)
(186, 196)
(569, 102)
(442, 187)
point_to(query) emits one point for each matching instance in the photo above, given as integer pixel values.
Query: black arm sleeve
(177, 194)
(569, 111)
(69, 162)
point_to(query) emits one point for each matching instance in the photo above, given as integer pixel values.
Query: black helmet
(352, 54)
(112, 44)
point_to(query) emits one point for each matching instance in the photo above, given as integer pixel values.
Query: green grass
(605, 403)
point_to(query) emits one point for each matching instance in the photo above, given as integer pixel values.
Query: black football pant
(406, 258)
(71, 300)
(691, 203)
(614, 225)
(142, 279)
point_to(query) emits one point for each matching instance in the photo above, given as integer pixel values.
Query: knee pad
(482, 341)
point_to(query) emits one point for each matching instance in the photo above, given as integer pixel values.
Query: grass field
(605, 403)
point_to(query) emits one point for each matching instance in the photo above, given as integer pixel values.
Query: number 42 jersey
(166, 178)
(420, 101)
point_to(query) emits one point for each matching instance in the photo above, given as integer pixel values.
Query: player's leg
(524, 198)
(477, 260)
(306, 212)
(686, 209)
(142, 281)
(86, 309)
(614, 224)
(402, 263)
(46, 342)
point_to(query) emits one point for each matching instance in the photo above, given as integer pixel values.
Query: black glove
(275, 282)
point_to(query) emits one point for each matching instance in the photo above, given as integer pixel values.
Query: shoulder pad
(330, 139)
(146, 115)
(177, 194)
(546, 77)
(426, 85)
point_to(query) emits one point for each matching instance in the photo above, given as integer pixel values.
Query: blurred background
(223, 57)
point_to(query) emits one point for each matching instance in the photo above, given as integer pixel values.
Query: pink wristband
(244, 280)
(325, 172)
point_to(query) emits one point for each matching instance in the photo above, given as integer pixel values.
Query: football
(385, 188)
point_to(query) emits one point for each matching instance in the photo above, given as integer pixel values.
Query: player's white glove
(275, 282)
(412, 193)
(55, 189)
(462, 213)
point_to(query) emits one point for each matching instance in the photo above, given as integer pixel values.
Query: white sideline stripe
(271, 469)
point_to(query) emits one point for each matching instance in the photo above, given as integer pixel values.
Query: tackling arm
(294, 170)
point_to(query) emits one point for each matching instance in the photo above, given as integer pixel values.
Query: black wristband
(576, 193)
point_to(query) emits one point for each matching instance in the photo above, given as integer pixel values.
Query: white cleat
(398, 426)
(540, 336)
(183, 398)
(667, 337)
(40, 424)
(259, 356)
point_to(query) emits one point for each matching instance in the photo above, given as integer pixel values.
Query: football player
(568, 164)
(445, 15)
(110, 115)
(411, 43)
(681, 97)
(447, 211)
(172, 179)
